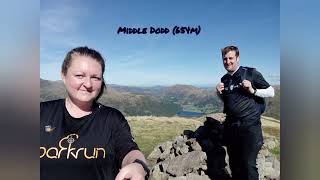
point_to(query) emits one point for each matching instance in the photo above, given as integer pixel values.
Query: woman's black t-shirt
(91, 147)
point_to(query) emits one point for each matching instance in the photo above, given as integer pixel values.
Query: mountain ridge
(157, 100)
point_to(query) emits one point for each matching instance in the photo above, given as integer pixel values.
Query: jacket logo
(49, 129)
(232, 87)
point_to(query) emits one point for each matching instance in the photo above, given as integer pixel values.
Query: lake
(189, 114)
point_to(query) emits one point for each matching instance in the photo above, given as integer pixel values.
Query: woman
(80, 138)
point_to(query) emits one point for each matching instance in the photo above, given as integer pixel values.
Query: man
(239, 93)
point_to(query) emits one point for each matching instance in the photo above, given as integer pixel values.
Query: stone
(179, 141)
(155, 154)
(184, 149)
(218, 116)
(271, 144)
(164, 165)
(204, 167)
(165, 148)
(159, 176)
(185, 163)
(276, 164)
(183, 159)
(193, 176)
(178, 178)
(195, 146)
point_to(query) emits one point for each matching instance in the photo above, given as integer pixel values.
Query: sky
(162, 59)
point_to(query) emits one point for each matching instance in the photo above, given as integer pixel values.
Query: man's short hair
(227, 49)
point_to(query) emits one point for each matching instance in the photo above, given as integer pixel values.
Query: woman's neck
(78, 110)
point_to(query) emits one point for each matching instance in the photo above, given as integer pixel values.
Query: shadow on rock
(209, 136)
(201, 155)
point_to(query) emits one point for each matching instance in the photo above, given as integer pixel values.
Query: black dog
(210, 138)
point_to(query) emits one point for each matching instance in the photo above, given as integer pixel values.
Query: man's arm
(269, 92)
(262, 87)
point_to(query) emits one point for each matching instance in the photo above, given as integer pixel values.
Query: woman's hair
(85, 51)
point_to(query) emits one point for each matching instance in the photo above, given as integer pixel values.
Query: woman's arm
(131, 169)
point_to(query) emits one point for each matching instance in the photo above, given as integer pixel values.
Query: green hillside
(128, 103)
(273, 105)
(158, 100)
(150, 131)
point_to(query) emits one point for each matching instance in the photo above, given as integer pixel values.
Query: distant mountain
(141, 102)
(51, 90)
(193, 98)
(154, 90)
(158, 100)
(273, 104)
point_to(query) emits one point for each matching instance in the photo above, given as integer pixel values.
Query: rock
(276, 164)
(218, 116)
(184, 149)
(193, 176)
(183, 159)
(174, 155)
(264, 152)
(268, 165)
(155, 154)
(178, 178)
(179, 141)
(270, 144)
(165, 149)
(227, 161)
(195, 145)
(271, 173)
(159, 176)
(270, 158)
(185, 163)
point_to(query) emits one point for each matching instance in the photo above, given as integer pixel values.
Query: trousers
(243, 145)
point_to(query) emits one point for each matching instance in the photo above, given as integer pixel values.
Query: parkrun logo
(55, 153)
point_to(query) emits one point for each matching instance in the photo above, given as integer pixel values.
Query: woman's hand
(133, 171)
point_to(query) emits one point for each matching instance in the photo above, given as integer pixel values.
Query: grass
(276, 151)
(150, 131)
(275, 132)
(272, 131)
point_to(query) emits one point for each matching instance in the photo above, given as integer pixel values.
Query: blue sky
(150, 59)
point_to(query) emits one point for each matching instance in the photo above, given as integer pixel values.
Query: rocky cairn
(184, 159)
(181, 159)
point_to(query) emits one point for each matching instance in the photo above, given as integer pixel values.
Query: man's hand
(133, 171)
(220, 88)
(247, 85)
